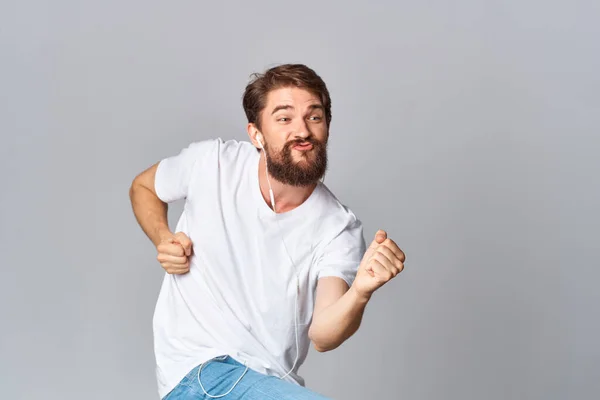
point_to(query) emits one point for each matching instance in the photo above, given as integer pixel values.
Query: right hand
(174, 253)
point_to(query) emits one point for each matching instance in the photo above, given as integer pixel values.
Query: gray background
(468, 130)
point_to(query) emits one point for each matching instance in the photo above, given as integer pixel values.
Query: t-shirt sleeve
(342, 256)
(174, 173)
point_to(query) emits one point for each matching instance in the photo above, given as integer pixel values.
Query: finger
(175, 269)
(380, 270)
(390, 244)
(185, 241)
(386, 252)
(174, 265)
(396, 262)
(172, 249)
(386, 262)
(167, 258)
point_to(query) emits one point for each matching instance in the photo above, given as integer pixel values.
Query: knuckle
(181, 236)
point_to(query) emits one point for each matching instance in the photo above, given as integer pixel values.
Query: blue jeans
(219, 375)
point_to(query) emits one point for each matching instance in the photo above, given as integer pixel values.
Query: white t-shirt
(239, 296)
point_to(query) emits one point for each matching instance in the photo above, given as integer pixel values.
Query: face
(294, 135)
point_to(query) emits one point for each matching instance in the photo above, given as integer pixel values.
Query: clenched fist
(382, 261)
(174, 253)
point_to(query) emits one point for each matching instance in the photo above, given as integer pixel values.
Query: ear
(254, 134)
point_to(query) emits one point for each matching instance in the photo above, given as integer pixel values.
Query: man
(265, 259)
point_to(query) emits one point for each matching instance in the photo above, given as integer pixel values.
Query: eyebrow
(317, 107)
(281, 107)
(288, 107)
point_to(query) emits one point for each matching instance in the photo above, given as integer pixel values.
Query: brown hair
(285, 75)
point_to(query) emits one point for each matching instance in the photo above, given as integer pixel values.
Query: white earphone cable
(295, 301)
(226, 393)
(291, 260)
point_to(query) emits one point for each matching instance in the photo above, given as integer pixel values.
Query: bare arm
(337, 315)
(338, 309)
(149, 210)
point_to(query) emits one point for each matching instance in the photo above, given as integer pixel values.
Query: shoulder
(217, 149)
(333, 210)
(337, 218)
(340, 245)
(234, 149)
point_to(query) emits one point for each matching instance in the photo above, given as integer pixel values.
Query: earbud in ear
(260, 141)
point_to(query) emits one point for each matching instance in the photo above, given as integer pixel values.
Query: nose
(301, 130)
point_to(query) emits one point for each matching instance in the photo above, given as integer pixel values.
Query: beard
(307, 170)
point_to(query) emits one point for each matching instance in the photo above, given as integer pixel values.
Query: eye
(315, 118)
(283, 119)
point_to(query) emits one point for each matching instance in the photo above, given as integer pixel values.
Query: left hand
(382, 261)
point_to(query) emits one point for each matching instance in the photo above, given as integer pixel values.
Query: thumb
(380, 236)
(185, 242)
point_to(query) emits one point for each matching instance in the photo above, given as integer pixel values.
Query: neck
(287, 197)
